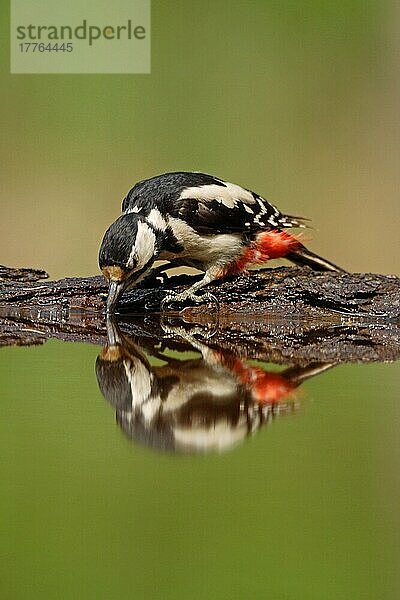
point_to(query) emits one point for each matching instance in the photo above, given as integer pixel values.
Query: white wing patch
(156, 219)
(143, 249)
(229, 196)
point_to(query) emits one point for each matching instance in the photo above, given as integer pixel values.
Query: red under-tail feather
(278, 244)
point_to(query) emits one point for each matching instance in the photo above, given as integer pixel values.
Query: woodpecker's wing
(206, 203)
(228, 209)
(162, 190)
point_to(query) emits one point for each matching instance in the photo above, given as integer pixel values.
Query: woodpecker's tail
(302, 256)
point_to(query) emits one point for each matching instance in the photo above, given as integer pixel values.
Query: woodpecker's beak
(114, 291)
(113, 333)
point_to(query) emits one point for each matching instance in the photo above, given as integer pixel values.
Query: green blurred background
(296, 100)
(307, 509)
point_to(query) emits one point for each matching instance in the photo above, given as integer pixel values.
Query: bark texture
(283, 315)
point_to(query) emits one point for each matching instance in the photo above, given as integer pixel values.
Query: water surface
(302, 504)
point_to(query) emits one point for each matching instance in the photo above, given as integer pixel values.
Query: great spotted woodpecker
(200, 221)
(204, 404)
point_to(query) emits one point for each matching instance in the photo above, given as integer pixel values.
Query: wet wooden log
(282, 292)
(284, 315)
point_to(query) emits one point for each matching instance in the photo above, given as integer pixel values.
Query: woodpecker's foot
(205, 332)
(188, 295)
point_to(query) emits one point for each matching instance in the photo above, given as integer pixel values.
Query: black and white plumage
(206, 203)
(204, 404)
(197, 220)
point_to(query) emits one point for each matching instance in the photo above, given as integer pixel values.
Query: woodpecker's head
(123, 371)
(127, 252)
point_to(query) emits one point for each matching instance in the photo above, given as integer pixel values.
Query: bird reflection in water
(205, 404)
